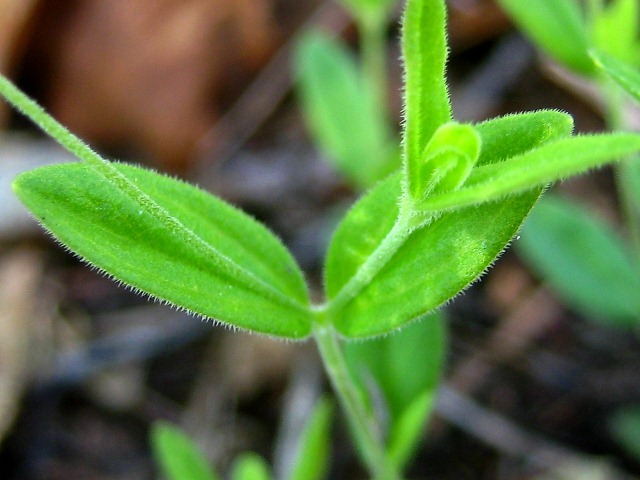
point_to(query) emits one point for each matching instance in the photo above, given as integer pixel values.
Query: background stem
(625, 170)
(374, 56)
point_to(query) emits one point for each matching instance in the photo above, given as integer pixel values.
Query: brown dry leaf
(147, 76)
(13, 23)
(472, 22)
(20, 272)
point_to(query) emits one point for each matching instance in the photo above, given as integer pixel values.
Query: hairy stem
(368, 441)
(370, 268)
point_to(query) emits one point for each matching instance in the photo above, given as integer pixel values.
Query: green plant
(592, 266)
(179, 458)
(344, 101)
(413, 242)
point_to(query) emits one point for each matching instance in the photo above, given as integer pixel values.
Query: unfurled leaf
(543, 165)
(312, 456)
(250, 466)
(557, 27)
(342, 111)
(177, 455)
(399, 374)
(438, 261)
(624, 74)
(446, 162)
(424, 52)
(584, 260)
(234, 271)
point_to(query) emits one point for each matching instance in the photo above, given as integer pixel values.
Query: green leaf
(614, 29)
(557, 27)
(625, 75)
(548, 163)
(245, 277)
(312, 457)
(176, 454)
(433, 265)
(424, 52)
(408, 429)
(511, 135)
(250, 466)
(625, 425)
(391, 361)
(584, 260)
(404, 369)
(438, 261)
(446, 162)
(342, 113)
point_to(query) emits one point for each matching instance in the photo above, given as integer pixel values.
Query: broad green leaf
(177, 456)
(246, 278)
(625, 425)
(446, 162)
(625, 75)
(584, 260)
(342, 112)
(424, 52)
(250, 466)
(557, 27)
(404, 369)
(614, 29)
(438, 261)
(434, 264)
(551, 162)
(312, 457)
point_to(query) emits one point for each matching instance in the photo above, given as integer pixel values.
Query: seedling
(413, 242)
(344, 102)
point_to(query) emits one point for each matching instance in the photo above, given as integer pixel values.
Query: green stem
(367, 438)
(372, 265)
